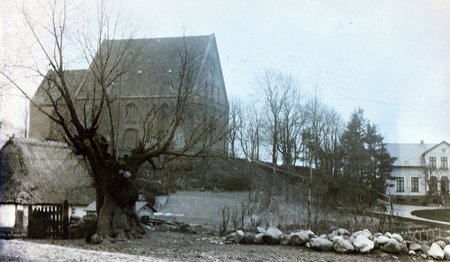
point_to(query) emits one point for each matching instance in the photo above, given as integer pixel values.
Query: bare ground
(185, 247)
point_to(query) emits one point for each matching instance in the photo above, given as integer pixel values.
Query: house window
(433, 184)
(400, 184)
(444, 185)
(414, 184)
(432, 162)
(444, 163)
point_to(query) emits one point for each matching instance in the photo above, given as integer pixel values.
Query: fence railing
(424, 234)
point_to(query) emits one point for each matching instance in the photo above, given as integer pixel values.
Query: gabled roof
(74, 79)
(154, 63)
(437, 145)
(141, 204)
(408, 154)
(34, 172)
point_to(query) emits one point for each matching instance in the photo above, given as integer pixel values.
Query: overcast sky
(391, 58)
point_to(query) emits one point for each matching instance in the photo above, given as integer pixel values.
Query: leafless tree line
(284, 125)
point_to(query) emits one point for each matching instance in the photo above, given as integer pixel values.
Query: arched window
(444, 185)
(131, 113)
(433, 184)
(130, 138)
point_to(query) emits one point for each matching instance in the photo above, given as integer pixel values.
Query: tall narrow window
(400, 184)
(131, 114)
(432, 183)
(432, 162)
(444, 162)
(444, 185)
(414, 184)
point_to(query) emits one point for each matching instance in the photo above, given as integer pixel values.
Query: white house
(420, 173)
(142, 208)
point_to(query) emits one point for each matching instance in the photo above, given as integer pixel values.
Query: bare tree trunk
(309, 195)
(117, 217)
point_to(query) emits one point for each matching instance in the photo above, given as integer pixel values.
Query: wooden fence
(48, 221)
(425, 234)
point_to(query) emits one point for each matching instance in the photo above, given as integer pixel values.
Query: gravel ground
(165, 246)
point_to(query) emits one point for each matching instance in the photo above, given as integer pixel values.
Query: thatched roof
(33, 172)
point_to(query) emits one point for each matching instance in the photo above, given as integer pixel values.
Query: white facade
(420, 173)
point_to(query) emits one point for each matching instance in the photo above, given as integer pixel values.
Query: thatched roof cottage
(35, 172)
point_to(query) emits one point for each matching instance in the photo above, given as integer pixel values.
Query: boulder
(259, 238)
(425, 248)
(404, 248)
(299, 238)
(343, 231)
(377, 234)
(336, 239)
(343, 246)
(382, 240)
(441, 243)
(415, 247)
(365, 232)
(392, 246)
(239, 236)
(332, 235)
(445, 239)
(387, 234)
(274, 232)
(397, 237)
(447, 252)
(249, 238)
(269, 240)
(435, 251)
(321, 244)
(261, 230)
(284, 240)
(412, 253)
(310, 233)
(363, 244)
(229, 237)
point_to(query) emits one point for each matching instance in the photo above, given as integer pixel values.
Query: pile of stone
(342, 241)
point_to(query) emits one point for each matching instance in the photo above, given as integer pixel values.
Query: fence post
(30, 221)
(65, 220)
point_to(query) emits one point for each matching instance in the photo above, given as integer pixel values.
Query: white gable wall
(413, 160)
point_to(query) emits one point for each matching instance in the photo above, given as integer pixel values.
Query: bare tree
(291, 125)
(81, 120)
(277, 88)
(235, 126)
(250, 135)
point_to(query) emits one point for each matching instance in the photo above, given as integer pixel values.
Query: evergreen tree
(366, 162)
